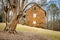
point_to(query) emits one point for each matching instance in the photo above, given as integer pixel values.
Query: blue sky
(54, 1)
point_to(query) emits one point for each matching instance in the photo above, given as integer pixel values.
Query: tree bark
(12, 25)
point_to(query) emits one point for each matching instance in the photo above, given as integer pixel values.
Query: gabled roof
(32, 6)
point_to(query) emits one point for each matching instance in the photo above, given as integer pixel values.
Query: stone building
(35, 16)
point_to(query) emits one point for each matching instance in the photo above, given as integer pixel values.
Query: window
(34, 8)
(34, 22)
(34, 15)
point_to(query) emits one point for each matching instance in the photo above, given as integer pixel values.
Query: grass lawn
(49, 33)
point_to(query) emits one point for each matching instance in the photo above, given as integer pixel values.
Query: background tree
(51, 16)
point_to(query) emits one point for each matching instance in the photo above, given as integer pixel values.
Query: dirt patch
(22, 36)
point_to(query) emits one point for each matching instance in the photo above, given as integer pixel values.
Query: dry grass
(48, 33)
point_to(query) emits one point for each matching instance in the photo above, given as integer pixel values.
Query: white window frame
(34, 15)
(34, 22)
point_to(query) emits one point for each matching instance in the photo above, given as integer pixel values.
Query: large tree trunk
(14, 22)
(12, 25)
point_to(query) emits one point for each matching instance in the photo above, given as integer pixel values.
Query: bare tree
(15, 8)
